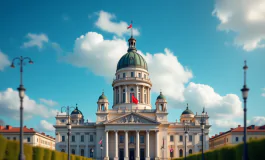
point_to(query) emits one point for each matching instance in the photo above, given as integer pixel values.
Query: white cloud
(263, 94)
(167, 74)
(4, 62)
(100, 56)
(246, 18)
(48, 102)
(105, 23)
(37, 40)
(258, 120)
(46, 126)
(10, 104)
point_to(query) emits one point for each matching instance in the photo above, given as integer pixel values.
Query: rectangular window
(131, 139)
(180, 138)
(28, 139)
(124, 75)
(118, 76)
(190, 138)
(139, 75)
(14, 138)
(8, 138)
(171, 138)
(236, 139)
(91, 138)
(132, 74)
(145, 76)
(73, 138)
(141, 139)
(121, 139)
(82, 138)
(63, 138)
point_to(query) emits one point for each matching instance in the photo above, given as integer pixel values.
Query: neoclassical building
(132, 131)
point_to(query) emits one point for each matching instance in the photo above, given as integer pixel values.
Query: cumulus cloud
(105, 22)
(45, 126)
(10, 103)
(167, 74)
(263, 94)
(36, 40)
(245, 18)
(100, 56)
(4, 62)
(48, 102)
(258, 120)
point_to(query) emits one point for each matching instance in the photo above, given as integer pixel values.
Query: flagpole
(132, 29)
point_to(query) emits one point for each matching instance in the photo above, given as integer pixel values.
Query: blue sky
(205, 43)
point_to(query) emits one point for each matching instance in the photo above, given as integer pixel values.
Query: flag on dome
(130, 26)
(134, 100)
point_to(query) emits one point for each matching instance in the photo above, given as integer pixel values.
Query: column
(116, 146)
(142, 94)
(107, 145)
(157, 144)
(126, 146)
(137, 92)
(114, 95)
(128, 94)
(150, 95)
(126, 90)
(119, 94)
(147, 145)
(137, 146)
(147, 93)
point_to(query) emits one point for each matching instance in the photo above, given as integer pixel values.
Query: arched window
(132, 93)
(73, 151)
(91, 152)
(117, 96)
(161, 107)
(190, 151)
(82, 152)
(180, 153)
(139, 95)
(145, 96)
(123, 96)
(102, 107)
(62, 150)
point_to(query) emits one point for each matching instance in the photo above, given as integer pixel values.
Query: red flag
(130, 26)
(134, 100)
(100, 142)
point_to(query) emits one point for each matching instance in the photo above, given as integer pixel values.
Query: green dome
(76, 111)
(187, 111)
(102, 96)
(161, 96)
(132, 59)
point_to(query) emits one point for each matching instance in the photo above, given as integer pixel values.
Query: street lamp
(171, 152)
(101, 148)
(244, 91)
(21, 91)
(203, 116)
(186, 129)
(69, 127)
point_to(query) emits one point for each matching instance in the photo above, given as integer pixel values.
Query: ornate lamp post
(69, 127)
(101, 148)
(244, 91)
(202, 128)
(21, 91)
(186, 129)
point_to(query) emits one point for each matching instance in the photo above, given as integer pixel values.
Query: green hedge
(256, 150)
(9, 150)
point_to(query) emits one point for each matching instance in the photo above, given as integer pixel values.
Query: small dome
(102, 96)
(76, 111)
(187, 111)
(161, 96)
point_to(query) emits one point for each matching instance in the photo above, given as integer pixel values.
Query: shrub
(3, 145)
(28, 152)
(47, 154)
(38, 153)
(12, 150)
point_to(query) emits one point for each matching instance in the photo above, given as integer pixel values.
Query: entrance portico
(129, 144)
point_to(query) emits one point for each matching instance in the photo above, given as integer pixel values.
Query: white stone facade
(131, 131)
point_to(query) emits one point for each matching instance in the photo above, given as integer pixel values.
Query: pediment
(132, 118)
